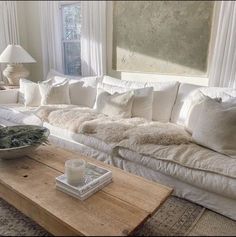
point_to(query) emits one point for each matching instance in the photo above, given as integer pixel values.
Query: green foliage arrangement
(23, 135)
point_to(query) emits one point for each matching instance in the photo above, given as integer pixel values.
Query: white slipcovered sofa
(171, 101)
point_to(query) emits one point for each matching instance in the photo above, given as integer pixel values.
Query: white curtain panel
(93, 38)
(51, 36)
(223, 67)
(9, 30)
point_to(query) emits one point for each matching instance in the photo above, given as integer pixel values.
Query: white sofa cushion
(29, 92)
(83, 92)
(188, 102)
(116, 105)
(206, 180)
(9, 96)
(195, 109)
(181, 105)
(70, 136)
(164, 95)
(32, 96)
(22, 91)
(218, 92)
(54, 94)
(122, 83)
(19, 114)
(143, 98)
(216, 127)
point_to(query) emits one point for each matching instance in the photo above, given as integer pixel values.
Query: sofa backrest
(83, 92)
(122, 83)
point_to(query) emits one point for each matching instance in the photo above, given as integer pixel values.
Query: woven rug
(175, 217)
(214, 224)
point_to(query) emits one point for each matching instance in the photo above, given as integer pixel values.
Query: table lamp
(14, 56)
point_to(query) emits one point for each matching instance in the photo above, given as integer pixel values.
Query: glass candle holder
(74, 171)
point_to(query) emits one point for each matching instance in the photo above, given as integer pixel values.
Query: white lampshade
(15, 54)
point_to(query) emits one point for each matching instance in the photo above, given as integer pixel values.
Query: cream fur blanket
(113, 130)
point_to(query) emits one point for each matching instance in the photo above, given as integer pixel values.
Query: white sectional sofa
(171, 101)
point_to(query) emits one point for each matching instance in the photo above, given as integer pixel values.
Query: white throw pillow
(117, 105)
(54, 94)
(143, 98)
(216, 127)
(164, 95)
(194, 109)
(29, 93)
(83, 92)
(32, 96)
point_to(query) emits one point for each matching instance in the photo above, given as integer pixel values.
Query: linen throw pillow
(194, 108)
(216, 127)
(143, 98)
(117, 105)
(29, 93)
(164, 95)
(54, 94)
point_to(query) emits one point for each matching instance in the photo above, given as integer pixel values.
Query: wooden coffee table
(28, 184)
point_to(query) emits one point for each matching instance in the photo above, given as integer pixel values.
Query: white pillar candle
(74, 170)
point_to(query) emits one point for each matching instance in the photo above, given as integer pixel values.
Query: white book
(84, 196)
(94, 176)
(84, 191)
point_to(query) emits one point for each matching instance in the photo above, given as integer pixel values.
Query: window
(71, 31)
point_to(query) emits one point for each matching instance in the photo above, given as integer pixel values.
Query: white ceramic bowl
(17, 152)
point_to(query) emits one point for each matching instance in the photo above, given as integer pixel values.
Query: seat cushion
(204, 179)
(79, 138)
(19, 114)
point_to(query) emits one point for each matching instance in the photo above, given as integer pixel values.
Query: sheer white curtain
(93, 38)
(223, 67)
(51, 36)
(9, 31)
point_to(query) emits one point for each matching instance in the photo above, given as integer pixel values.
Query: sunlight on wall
(162, 37)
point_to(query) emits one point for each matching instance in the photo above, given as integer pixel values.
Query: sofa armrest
(9, 96)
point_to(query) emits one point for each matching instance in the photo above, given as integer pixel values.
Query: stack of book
(95, 178)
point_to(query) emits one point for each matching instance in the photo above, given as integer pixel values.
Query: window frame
(61, 4)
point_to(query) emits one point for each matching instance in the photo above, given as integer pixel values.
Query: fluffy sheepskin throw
(158, 133)
(113, 130)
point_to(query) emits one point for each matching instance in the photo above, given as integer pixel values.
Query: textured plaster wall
(169, 37)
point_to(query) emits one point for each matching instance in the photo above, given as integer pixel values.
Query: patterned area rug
(14, 223)
(175, 217)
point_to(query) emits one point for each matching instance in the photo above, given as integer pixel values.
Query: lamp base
(14, 72)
